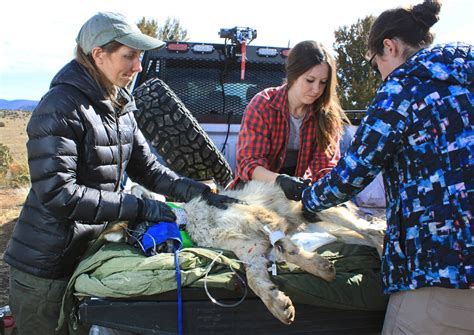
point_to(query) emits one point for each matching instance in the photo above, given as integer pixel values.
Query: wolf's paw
(321, 267)
(282, 307)
(328, 271)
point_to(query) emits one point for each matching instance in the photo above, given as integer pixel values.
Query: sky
(37, 38)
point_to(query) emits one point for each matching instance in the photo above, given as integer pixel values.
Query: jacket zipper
(119, 167)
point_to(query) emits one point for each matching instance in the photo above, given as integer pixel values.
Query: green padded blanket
(117, 270)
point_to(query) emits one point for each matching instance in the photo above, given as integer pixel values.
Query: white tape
(273, 269)
(274, 236)
(267, 230)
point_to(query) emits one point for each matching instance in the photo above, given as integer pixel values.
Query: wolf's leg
(252, 252)
(310, 262)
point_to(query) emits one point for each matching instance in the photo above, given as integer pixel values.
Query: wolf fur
(240, 228)
(246, 229)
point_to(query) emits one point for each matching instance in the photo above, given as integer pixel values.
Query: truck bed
(159, 315)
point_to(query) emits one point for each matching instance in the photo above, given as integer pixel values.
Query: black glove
(217, 200)
(310, 216)
(154, 211)
(185, 189)
(292, 186)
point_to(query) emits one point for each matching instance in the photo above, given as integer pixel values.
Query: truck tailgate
(200, 316)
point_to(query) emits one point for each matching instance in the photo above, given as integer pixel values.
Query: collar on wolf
(274, 237)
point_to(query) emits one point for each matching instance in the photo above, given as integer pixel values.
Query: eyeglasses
(373, 63)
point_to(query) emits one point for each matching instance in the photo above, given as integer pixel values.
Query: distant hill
(23, 105)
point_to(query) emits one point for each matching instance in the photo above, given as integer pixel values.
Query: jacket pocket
(26, 284)
(26, 287)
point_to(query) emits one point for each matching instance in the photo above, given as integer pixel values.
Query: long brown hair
(303, 56)
(86, 60)
(411, 25)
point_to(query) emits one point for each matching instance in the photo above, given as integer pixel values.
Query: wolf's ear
(115, 236)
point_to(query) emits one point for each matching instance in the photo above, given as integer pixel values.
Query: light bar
(177, 47)
(267, 52)
(203, 48)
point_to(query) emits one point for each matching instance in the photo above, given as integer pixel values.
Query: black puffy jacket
(79, 147)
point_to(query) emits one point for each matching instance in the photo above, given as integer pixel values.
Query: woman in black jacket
(82, 138)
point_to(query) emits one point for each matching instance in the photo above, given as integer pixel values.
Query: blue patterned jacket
(418, 131)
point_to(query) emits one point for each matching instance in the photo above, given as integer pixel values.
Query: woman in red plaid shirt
(290, 134)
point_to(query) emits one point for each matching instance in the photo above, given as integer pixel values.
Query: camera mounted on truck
(239, 35)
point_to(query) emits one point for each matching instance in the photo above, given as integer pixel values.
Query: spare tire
(176, 135)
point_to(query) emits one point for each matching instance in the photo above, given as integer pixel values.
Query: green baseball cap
(105, 27)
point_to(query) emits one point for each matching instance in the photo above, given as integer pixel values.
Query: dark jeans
(35, 303)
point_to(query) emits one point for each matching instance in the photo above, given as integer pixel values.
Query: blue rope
(178, 286)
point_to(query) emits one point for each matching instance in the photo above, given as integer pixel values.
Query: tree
(357, 81)
(170, 31)
(148, 27)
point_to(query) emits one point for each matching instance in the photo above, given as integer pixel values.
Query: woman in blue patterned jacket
(419, 133)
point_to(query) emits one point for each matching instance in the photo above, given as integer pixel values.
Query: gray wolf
(262, 224)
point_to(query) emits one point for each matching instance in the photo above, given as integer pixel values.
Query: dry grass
(11, 201)
(13, 136)
(13, 133)
(13, 157)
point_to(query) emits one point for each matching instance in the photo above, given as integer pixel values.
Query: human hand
(293, 187)
(310, 216)
(154, 211)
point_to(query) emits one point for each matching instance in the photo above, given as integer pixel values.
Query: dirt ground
(11, 201)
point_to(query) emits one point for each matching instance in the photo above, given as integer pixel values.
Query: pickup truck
(191, 97)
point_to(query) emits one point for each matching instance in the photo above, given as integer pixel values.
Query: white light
(267, 52)
(203, 48)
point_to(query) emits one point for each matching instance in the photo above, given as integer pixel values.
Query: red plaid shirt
(264, 135)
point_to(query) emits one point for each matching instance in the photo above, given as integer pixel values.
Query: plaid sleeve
(321, 164)
(253, 144)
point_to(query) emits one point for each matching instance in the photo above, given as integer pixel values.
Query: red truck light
(177, 47)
